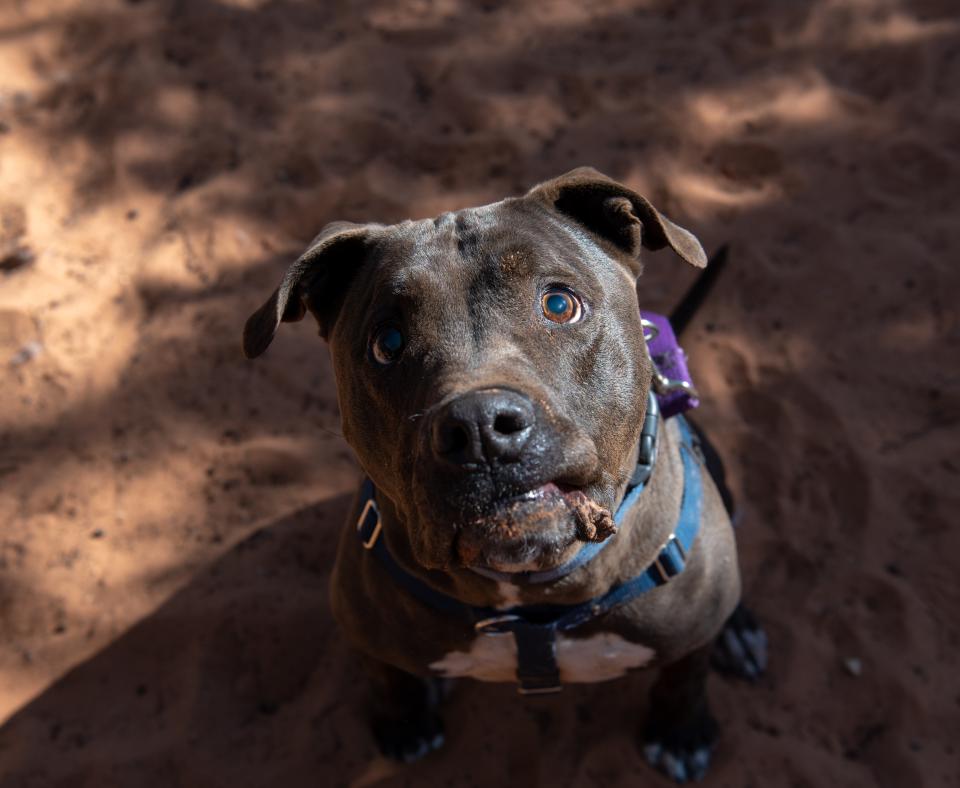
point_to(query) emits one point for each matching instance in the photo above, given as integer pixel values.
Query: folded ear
(617, 214)
(316, 280)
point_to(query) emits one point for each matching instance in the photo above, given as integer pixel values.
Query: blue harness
(535, 627)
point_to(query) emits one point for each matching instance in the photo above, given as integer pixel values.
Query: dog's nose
(487, 425)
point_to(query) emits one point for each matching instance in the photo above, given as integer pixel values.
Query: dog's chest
(581, 660)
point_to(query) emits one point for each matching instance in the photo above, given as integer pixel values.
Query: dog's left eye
(561, 305)
(386, 345)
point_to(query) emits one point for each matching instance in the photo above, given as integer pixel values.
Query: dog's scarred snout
(486, 425)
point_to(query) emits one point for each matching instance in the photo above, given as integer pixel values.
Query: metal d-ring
(664, 385)
(649, 325)
(496, 625)
(370, 506)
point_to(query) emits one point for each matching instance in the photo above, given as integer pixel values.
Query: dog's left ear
(315, 281)
(617, 214)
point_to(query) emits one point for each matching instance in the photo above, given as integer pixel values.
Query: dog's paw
(741, 647)
(408, 740)
(680, 766)
(682, 754)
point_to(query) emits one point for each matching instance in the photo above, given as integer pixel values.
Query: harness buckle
(371, 540)
(667, 563)
(496, 625)
(647, 449)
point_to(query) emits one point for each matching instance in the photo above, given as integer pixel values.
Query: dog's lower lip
(550, 488)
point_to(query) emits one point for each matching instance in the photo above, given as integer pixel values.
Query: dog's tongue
(594, 523)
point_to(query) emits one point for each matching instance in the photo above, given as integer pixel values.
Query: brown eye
(561, 305)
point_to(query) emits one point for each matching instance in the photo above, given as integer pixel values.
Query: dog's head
(490, 364)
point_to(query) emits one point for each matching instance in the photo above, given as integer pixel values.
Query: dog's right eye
(386, 345)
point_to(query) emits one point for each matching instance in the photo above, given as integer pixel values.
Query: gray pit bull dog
(493, 380)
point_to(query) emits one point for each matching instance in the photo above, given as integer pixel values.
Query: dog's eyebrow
(411, 284)
(409, 271)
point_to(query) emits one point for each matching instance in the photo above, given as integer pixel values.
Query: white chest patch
(581, 660)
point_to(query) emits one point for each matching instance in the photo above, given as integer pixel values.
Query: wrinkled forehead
(480, 248)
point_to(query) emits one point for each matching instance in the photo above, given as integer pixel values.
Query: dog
(528, 514)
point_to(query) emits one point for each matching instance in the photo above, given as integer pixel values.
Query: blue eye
(387, 345)
(561, 305)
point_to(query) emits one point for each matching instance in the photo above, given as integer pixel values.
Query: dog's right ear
(316, 281)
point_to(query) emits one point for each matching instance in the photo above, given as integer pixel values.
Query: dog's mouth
(535, 530)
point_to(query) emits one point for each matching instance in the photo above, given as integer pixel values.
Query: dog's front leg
(680, 731)
(403, 711)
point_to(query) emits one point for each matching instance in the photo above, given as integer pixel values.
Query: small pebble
(27, 353)
(853, 665)
(17, 258)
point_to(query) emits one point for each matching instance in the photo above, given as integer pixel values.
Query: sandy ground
(168, 510)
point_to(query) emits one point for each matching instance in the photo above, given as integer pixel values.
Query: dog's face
(490, 365)
(489, 372)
